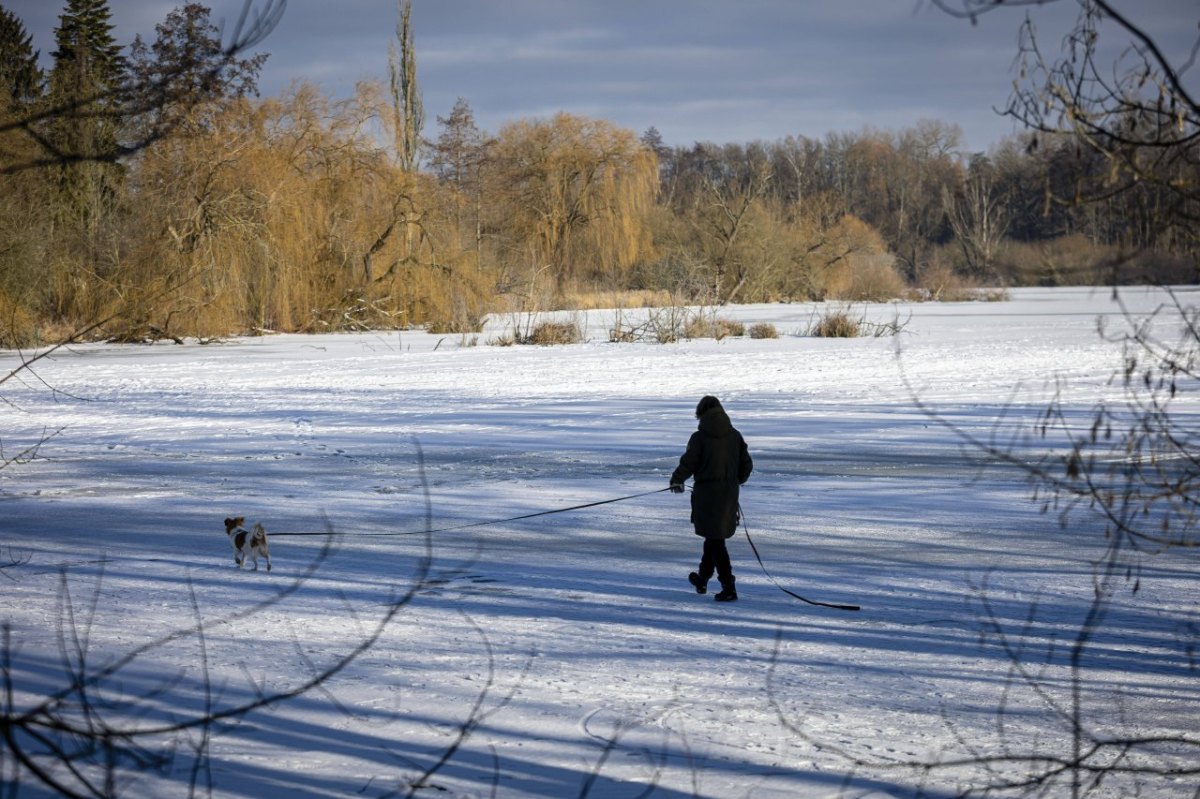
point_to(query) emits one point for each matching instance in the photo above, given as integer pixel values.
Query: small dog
(247, 542)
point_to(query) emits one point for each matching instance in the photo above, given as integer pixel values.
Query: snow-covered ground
(601, 672)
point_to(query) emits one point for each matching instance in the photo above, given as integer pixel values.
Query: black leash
(490, 522)
(754, 549)
(495, 521)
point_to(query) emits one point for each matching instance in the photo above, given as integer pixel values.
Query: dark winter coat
(720, 462)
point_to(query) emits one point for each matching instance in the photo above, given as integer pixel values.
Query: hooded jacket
(719, 461)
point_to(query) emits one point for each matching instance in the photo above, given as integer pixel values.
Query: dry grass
(763, 330)
(700, 326)
(546, 333)
(837, 324)
(458, 324)
(867, 279)
(940, 282)
(604, 300)
(662, 325)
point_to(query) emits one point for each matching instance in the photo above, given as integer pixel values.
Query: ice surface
(617, 675)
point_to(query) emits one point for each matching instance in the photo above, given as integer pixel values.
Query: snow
(601, 671)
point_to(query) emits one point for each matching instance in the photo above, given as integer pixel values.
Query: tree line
(151, 187)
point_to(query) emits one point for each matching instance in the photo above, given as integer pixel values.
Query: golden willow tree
(268, 215)
(574, 196)
(290, 214)
(408, 109)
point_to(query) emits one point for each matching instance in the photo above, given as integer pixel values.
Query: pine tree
(85, 83)
(458, 158)
(20, 77)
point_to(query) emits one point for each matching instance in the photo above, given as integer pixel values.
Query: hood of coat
(715, 423)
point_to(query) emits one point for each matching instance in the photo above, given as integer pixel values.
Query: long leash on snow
(490, 522)
(790, 593)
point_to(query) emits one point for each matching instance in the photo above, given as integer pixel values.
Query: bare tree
(722, 219)
(1133, 462)
(459, 157)
(1138, 464)
(978, 215)
(1137, 115)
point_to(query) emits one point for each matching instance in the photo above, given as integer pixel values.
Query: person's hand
(676, 488)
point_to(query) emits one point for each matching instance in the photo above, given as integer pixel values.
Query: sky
(696, 70)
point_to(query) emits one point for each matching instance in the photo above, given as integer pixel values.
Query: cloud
(698, 70)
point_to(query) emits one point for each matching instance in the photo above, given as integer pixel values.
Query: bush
(1071, 260)
(763, 330)
(730, 327)
(1074, 260)
(554, 333)
(837, 324)
(700, 327)
(459, 325)
(867, 279)
(938, 280)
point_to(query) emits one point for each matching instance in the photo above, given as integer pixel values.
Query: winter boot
(728, 593)
(701, 585)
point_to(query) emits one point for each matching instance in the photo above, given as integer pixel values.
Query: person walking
(718, 459)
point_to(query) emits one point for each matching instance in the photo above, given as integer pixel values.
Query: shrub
(468, 324)
(730, 327)
(667, 323)
(938, 280)
(837, 324)
(701, 327)
(1074, 260)
(867, 278)
(555, 333)
(763, 330)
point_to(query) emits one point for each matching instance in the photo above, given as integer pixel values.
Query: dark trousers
(716, 558)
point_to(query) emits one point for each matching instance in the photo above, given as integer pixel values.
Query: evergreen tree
(86, 85)
(186, 67)
(20, 76)
(459, 148)
(88, 66)
(458, 158)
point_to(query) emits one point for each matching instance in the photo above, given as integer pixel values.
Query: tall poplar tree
(407, 107)
(408, 118)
